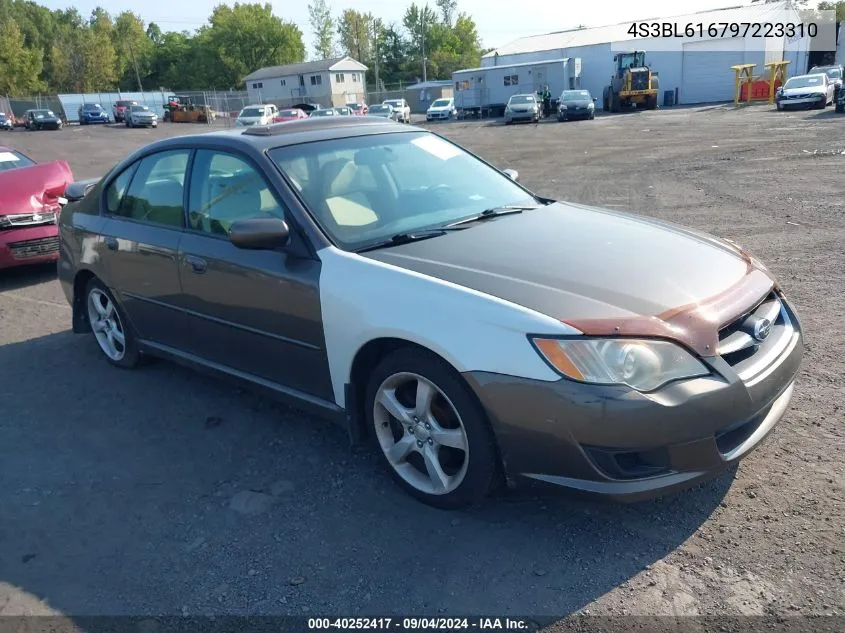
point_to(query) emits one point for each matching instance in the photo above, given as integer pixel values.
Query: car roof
(295, 132)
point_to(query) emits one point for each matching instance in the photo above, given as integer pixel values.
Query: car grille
(35, 248)
(639, 80)
(743, 350)
(801, 96)
(26, 219)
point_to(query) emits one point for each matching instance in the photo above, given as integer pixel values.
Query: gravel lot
(162, 491)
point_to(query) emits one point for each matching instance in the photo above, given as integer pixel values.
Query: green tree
(447, 10)
(21, 66)
(155, 34)
(354, 29)
(245, 37)
(323, 27)
(839, 7)
(133, 49)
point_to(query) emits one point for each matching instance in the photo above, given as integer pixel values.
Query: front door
(144, 223)
(252, 311)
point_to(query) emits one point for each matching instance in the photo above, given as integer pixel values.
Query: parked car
(834, 73)
(805, 91)
(323, 112)
(140, 116)
(359, 109)
(522, 107)
(42, 119)
(576, 104)
(401, 108)
(30, 199)
(262, 114)
(289, 115)
(383, 110)
(92, 113)
(6, 124)
(344, 111)
(672, 356)
(441, 109)
(120, 108)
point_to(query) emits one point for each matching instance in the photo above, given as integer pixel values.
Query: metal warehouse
(693, 70)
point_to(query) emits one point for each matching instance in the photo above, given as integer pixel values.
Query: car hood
(439, 108)
(789, 92)
(604, 272)
(519, 107)
(25, 189)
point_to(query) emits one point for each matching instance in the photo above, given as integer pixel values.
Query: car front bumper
(522, 116)
(584, 113)
(432, 116)
(803, 102)
(618, 443)
(31, 245)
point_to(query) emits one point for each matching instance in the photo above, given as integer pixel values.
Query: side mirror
(595, 99)
(260, 234)
(512, 174)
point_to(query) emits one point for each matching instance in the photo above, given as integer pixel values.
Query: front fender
(363, 299)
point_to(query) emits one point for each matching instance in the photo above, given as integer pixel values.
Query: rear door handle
(111, 243)
(198, 264)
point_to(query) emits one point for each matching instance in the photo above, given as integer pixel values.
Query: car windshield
(357, 106)
(808, 81)
(3, 116)
(92, 107)
(10, 159)
(521, 99)
(125, 104)
(252, 112)
(440, 103)
(323, 113)
(380, 108)
(363, 190)
(140, 108)
(575, 95)
(287, 113)
(43, 113)
(394, 103)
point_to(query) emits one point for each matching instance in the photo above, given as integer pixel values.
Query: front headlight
(591, 106)
(643, 365)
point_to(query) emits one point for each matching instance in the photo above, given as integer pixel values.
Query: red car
(30, 201)
(358, 109)
(289, 115)
(120, 109)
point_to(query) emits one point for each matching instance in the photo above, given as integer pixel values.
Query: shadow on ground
(23, 276)
(161, 491)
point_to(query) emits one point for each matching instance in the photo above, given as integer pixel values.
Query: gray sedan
(576, 104)
(140, 116)
(371, 272)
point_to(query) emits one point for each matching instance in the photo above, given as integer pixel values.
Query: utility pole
(135, 65)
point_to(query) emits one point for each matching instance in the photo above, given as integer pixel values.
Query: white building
(329, 82)
(697, 70)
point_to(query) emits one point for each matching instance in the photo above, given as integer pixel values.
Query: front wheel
(433, 434)
(110, 327)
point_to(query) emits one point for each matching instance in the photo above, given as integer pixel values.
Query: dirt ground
(124, 493)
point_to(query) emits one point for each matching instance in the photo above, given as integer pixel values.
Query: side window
(156, 192)
(225, 189)
(117, 188)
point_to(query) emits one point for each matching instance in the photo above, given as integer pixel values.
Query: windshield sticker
(436, 147)
(8, 157)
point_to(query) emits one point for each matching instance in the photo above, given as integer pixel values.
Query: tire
(470, 472)
(840, 108)
(115, 324)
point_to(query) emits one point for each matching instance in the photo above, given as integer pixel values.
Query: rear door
(252, 311)
(144, 210)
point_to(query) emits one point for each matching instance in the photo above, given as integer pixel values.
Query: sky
(498, 21)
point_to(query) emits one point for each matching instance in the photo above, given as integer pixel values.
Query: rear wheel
(433, 434)
(110, 327)
(614, 102)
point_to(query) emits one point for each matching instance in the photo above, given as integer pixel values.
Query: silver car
(805, 91)
(522, 108)
(382, 110)
(141, 116)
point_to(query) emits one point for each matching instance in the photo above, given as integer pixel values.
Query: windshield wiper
(407, 238)
(494, 212)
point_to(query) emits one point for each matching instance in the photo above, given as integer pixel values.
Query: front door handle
(111, 243)
(198, 264)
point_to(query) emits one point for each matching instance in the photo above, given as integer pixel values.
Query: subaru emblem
(762, 329)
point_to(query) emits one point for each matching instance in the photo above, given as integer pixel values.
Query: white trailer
(489, 88)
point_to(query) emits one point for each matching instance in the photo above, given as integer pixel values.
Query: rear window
(12, 160)
(252, 112)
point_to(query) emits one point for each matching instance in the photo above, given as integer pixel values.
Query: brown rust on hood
(695, 325)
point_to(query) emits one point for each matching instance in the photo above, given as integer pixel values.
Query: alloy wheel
(106, 324)
(421, 433)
